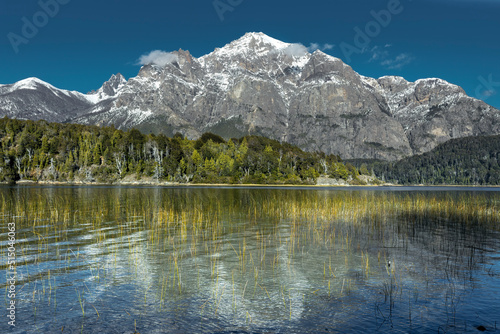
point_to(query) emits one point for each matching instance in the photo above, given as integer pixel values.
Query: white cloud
(157, 57)
(313, 47)
(299, 50)
(295, 50)
(316, 46)
(398, 62)
(382, 55)
(489, 93)
(378, 54)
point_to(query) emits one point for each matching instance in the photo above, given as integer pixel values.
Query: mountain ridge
(260, 85)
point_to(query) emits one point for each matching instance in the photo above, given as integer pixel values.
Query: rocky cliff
(259, 85)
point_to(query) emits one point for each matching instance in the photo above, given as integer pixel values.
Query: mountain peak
(30, 83)
(253, 42)
(260, 85)
(117, 80)
(259, 38)
(109, 89)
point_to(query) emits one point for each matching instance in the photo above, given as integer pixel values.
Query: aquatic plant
(342, 238)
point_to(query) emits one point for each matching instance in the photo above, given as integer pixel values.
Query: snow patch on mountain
(28, 84)
(108, 90)
(268, 87)
(252, 43)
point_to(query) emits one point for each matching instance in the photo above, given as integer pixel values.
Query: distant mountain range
(260, 85)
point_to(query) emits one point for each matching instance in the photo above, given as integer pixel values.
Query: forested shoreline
(462, 161)
(40, 151)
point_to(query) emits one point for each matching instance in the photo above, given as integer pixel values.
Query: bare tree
(30, 153)
(324, 165)
(131, 152)
(120, 162)
(52, 168)
(148, 148)
(88, 173)
(158, 157)
(17, 162)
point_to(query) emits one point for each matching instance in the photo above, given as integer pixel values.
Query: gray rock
(259, 85)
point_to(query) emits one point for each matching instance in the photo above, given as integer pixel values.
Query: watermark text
(363, 37)
(223, 6)
(31, 26)
(487, 87)
(11, 274)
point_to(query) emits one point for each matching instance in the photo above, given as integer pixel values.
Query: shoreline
(216, 185)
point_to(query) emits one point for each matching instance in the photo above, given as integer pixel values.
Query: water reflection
(249, 260)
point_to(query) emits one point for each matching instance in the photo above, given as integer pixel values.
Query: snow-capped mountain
(35, 99)
(108, 90)
(260, 85)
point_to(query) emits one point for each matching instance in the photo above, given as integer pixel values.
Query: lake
(240, 260)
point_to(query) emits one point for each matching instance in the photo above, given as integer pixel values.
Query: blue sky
(78, 45)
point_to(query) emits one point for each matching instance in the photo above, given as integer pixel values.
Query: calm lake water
(241, 260)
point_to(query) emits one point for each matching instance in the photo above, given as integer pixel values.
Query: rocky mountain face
(433, 111)
(259, 85)
(34, 99)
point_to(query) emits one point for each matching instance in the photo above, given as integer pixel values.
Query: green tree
(196, 157)
(45, 145)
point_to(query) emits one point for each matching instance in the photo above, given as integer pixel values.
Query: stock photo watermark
(223, 6)
(486, 88)
(11, 274)
(32, 25)
(363, 37)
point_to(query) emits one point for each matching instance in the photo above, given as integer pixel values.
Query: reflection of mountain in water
(207, 259)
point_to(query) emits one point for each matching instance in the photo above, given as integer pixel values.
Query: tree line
(43, 151)
(462, 161)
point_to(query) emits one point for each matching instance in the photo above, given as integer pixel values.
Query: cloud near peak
(157, 57)
(316, 46)
(299, 50)
(295, 50)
